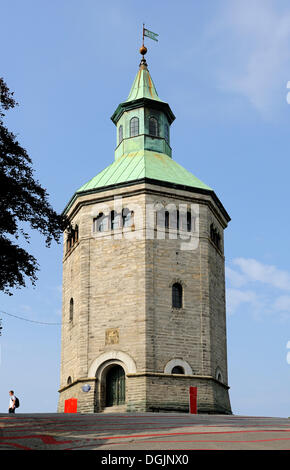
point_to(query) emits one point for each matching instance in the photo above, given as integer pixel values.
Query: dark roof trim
(165, 184)
(128, 105)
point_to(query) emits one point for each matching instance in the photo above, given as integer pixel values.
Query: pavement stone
(142, 431)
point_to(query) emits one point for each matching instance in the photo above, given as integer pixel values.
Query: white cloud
(253, 270)
(258, 287)
(255, 60)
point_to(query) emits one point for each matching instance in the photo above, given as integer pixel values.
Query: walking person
(12, 402)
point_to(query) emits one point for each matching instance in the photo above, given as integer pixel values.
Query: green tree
(22, 201)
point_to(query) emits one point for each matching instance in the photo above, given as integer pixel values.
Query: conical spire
(143, 86)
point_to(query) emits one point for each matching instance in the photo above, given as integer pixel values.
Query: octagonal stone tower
(143, 276)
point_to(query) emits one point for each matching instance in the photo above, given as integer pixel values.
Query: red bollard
(71, 405)
(193, 400)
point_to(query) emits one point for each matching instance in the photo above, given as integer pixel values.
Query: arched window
(153, 126)
(218, 375)
(177, 370)
(69, 380)
(127, 217)
(215, 236)
(177, 295)
(166, 132)
(162, 218)
(72, 238)
(100, 223)
(75, 234)
(71, 309)
(120, 134)
(134, 126)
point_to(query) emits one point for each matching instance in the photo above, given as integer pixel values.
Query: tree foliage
(22, 201)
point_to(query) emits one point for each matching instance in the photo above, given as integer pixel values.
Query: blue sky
(223, 66)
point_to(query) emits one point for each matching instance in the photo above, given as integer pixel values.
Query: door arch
(115, 386)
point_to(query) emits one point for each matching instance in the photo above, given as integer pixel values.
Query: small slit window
(71, 309)
(134, 126)
(69, 380)
(166, 219)
(153, 126)
(114, 220)
(188, 222)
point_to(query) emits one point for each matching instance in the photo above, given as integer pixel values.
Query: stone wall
(121, 288)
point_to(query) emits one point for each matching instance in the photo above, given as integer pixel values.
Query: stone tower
(143, 276)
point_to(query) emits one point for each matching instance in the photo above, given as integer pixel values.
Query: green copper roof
(143, 86)
(143, 164)
(147, 161)
(143, 93)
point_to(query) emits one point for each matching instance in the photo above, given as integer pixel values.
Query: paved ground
(150, 431)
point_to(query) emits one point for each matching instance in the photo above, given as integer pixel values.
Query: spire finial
(143, 49)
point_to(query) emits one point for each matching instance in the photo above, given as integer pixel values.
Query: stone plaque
(112, 336)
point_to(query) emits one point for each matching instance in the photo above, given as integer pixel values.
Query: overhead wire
(30, 320)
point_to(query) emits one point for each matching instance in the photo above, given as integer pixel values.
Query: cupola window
(120, 134)
(134, 126)
(166, 132)
(153, 126)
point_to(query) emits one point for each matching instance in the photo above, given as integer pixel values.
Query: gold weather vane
(148, 34)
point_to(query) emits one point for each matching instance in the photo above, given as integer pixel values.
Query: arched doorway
(115, 386)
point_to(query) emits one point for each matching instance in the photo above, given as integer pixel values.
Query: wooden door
(115, 386)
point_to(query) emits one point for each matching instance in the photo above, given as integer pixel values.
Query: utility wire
(28, 319)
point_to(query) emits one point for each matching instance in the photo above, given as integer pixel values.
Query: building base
(151, 392)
